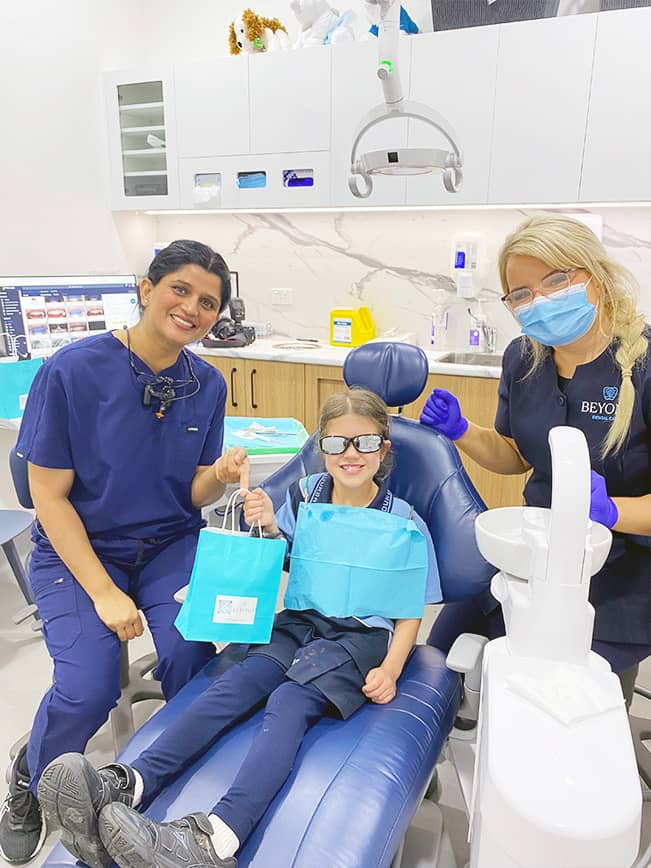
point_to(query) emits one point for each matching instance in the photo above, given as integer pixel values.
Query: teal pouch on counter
(16, 378)
(233, 588)
(259, 436)
(348, 561)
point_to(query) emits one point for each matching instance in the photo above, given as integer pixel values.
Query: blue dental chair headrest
(427, 471)
(394, 371)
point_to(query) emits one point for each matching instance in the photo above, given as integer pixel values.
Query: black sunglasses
(333, 444)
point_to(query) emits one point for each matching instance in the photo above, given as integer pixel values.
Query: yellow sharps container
(350, 327)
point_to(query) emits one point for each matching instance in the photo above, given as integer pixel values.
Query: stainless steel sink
(485, 359)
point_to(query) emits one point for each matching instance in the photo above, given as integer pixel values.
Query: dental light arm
(400, 161)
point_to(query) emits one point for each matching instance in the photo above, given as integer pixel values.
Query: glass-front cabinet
(141, 141)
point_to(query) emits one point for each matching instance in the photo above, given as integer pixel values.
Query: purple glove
(443, 413)
(602, 507)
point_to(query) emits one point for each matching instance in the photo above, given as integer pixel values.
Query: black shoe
(22, 830)
(136, 842)
(72, 794)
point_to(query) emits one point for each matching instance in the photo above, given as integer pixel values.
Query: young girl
(359, 659)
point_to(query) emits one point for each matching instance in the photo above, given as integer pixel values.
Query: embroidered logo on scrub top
(610, 393)
(602, 411)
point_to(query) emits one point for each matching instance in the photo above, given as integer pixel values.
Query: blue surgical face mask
(556, 322)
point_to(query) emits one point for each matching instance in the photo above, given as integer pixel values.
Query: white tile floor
(25, 674)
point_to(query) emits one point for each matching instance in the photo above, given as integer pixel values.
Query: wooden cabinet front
(234, 374)
(321, 381)
(275, 389)
(262, 388)
(478, 399)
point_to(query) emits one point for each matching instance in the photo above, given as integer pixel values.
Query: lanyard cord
(163, 388)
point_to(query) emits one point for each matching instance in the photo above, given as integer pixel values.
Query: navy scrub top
(133, 471)
(528, 409)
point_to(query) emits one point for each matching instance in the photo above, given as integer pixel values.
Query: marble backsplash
(396, 262)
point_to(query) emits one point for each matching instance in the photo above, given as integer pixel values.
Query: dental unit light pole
(400, 161)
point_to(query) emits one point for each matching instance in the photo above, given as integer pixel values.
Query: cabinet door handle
(233, 401)
(253, 404)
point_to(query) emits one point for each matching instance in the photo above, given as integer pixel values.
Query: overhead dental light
(400, 161)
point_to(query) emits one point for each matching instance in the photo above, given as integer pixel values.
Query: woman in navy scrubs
(584, 361)
(123, 433)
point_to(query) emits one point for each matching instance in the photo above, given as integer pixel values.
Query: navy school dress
(336, 654)
(527, 410)
(133, 473)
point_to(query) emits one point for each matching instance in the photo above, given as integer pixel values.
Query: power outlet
(282, 297)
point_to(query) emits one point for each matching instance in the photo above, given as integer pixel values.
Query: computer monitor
(40, 314)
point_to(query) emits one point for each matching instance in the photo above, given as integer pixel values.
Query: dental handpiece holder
(556, 781)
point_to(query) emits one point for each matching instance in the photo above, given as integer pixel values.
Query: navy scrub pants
(290, 711)
(86, 654)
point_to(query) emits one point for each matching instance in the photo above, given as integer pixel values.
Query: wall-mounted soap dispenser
(467, 262)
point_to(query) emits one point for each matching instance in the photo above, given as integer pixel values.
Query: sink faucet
(488, 333)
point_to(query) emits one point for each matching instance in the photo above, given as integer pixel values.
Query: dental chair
(356, 785)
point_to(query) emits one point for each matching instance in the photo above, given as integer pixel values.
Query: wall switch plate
(282, 297)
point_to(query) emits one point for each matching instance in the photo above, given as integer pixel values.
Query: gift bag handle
(231, 506)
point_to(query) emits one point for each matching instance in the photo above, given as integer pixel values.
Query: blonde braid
(632, 347)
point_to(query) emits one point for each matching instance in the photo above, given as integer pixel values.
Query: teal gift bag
(347, 561)
(15, 382)
(233, 587)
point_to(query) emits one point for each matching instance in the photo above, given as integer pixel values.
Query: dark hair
(359, 402)
(184, 252)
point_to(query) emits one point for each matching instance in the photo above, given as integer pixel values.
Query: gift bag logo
(234, 610)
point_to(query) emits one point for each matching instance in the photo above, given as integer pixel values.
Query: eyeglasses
(333, 444)
(520, 300)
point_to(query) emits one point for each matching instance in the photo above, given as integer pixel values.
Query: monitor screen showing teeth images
(40, 314)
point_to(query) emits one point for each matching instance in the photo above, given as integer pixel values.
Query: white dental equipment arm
(401, 160)
(555, 778)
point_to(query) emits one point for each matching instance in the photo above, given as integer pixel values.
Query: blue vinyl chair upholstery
(356, 784)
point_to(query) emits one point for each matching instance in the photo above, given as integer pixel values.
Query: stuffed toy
(407, 24)
(321, 24)
(252, 32)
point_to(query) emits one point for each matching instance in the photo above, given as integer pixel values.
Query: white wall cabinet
(548, 111)
(290, 101)
(141, 139)
(617, 159)
(356, 89)
(454, 72)
(541, 105)
(212, 101)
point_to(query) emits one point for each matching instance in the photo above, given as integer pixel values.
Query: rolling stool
(135, 687)
(13, 522)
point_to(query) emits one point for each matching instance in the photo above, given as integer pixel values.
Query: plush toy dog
(321, 24)
(253, 32)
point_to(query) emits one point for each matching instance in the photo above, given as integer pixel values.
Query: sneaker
(22, 830)
(72, 794)
(136, 842)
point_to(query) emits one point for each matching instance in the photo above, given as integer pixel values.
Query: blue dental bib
(349, 561)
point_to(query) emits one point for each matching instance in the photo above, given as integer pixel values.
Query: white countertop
(323, 354)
